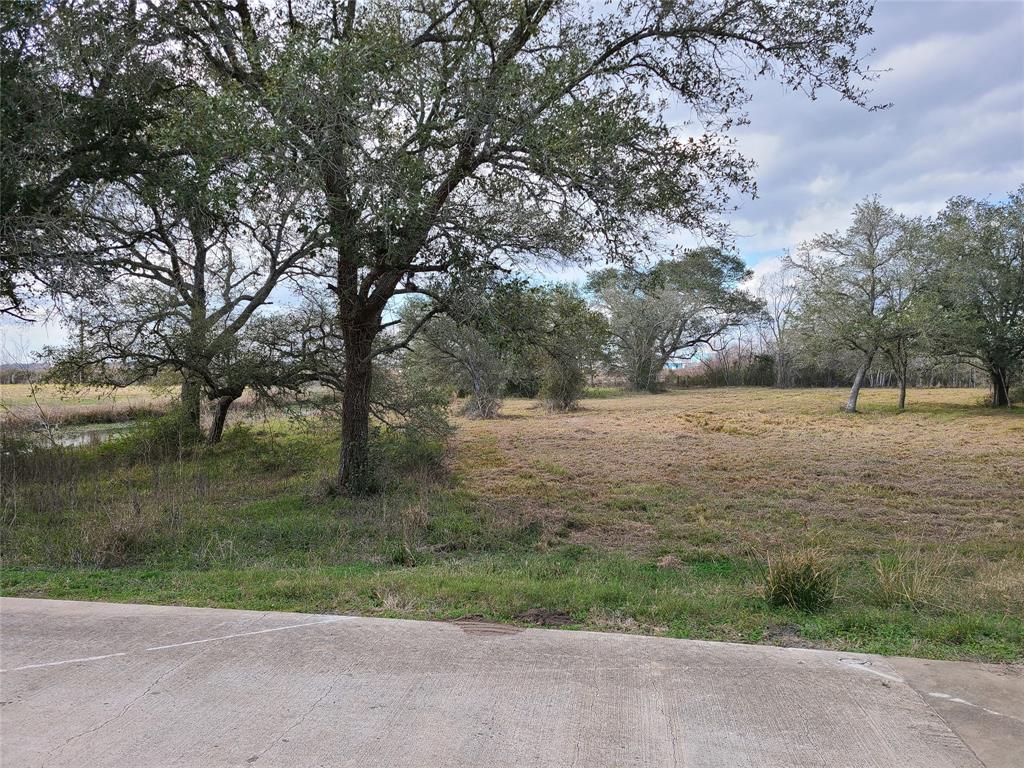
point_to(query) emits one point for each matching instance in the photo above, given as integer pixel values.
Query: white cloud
(20, 340)
(827, 182)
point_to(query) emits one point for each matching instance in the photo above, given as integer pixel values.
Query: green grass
(252, 524)
(604, 593)
(602, 393)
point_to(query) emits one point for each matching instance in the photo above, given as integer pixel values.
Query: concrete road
(94, 684)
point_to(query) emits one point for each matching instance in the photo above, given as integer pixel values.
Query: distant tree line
(891, 300)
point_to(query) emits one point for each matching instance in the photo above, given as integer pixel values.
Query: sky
(956, 127)
(955, 77)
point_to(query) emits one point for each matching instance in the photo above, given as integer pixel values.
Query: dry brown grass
(735, 471)
(54, 405)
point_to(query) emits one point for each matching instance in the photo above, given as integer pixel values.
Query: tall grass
(805, 580)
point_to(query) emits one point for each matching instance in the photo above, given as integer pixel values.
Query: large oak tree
(671, 311)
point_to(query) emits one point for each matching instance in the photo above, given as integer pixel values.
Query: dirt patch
(787, 636)
(670, 563)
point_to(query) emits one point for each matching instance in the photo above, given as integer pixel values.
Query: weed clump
(806, 581)
(120, 539)
(914, 578)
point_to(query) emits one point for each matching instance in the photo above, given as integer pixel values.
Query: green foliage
(67, 128)
(412, 430)
(1016, 394)
(563, 384)
(671, 310)
(475, 340)
(396, 453)
(571, 343)
(495, 336)
(168, 435)
(976, 298)
(602, 393)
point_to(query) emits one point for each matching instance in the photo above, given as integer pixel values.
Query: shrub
(563, 382)
(602, 393)
(119, 538)
(164, 436)
(395, 453)
(524, 382)
(802, 580)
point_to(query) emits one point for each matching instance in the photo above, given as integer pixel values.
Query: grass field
(80, 405)
(652, 513)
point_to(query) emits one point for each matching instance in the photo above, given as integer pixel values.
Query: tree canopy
(671, 310)
(977, 309)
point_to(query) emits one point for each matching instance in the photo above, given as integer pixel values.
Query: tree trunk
(780, 370)
(1000, 387)
(858, 382)
(191, 401)
(903, 393)
(220, 416)
(355, 474)
(640, 376)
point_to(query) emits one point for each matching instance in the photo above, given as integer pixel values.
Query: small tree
(904, 314)
(459, 355)
(778, 293)
(977, 297)
(191, 250)
(473, 336)
(847, 282)
(571, 340)
(670, 311)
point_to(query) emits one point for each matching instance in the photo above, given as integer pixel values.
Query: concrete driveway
(96, 684)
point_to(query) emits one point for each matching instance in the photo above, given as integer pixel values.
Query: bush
(395, 453)
(602, 393)
(802, 580)
(563, 384)
(525, 383)
(485, 399)
(162, 437)
(122, 538)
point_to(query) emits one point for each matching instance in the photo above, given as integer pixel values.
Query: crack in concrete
(295, 724)
(61, 747)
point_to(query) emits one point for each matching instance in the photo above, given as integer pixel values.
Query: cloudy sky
(956, 126)
(956, 81)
